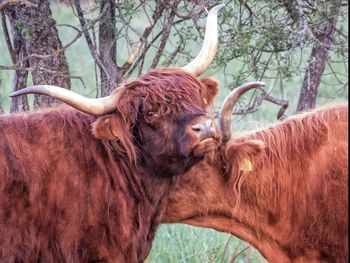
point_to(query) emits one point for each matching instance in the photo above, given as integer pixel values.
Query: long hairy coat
(283, 189)
(82, 188)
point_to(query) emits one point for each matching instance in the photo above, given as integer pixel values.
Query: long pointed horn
(87, 105)
(210, 45)
(229, 104)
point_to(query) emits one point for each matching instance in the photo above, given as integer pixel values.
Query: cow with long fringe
(91, 185)
(283, 189)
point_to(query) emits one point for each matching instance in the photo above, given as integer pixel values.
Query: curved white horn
(228, 107)
(87, 105)
(210, 44)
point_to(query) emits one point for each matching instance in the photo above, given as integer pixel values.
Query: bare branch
(258, 100)
(142, 56)
(7, 37)
(56, 53)
(57, 73)
(15, 68)
(155, 17)
(171, 57)
(87, 35)
(235, 256)
(165, 35)
(222, 258)
(251, 12)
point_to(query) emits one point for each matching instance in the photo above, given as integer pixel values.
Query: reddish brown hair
(292, 205)
(69, 194)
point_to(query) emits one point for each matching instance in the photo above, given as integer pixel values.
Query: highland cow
(283, 189)
(92, 186)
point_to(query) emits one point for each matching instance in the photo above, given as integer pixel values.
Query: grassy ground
(181, 244)
(178, 243)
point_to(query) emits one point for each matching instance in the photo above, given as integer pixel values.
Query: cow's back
(330, 173)
(309, 166)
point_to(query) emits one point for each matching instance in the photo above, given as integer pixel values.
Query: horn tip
(22, 91)
(14, 94)
(216, 8)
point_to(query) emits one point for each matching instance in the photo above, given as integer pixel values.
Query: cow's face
(210, 186)
(161, 120)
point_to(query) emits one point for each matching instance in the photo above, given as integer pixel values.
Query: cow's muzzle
(204, 130)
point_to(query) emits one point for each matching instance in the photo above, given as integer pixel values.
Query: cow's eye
(151, 119)
(150, 114)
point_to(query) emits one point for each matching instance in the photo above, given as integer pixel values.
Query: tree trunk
(108, 48)
(318, 58)
(45, 50)
(19, 55)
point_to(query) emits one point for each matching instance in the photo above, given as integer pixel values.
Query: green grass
(179, 243)
(182, 244)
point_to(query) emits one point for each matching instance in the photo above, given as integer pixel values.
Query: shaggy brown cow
(283, 189)
(71, 195)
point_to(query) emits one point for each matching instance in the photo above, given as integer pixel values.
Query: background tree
(36, 45)
(273, 39)
(316, 21)
(264, 40)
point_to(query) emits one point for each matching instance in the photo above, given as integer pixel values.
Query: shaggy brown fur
(69, 196)
(293, 205)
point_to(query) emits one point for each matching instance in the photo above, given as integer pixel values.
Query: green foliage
(23, 28)
(129, 8)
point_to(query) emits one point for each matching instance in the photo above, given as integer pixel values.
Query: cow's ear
(105, 128)
(212, 87)
(245, 153)
(243, 157)
(118, 126)
(117, 129)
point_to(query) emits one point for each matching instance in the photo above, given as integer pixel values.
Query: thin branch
(155, 17)
(165, 35)
(7, 37)
(87, 35)
(142, 56)
(77, 36)
(171, 57)
(334, 73)
(251, 12)
(198, 28)
(235, 256)
(222, 258)
(16, 68)
(253, 107)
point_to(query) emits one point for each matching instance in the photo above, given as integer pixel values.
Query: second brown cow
(283, 189)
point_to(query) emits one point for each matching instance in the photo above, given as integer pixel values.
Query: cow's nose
(204, 130)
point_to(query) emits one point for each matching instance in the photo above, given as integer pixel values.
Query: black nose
(204, 130)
